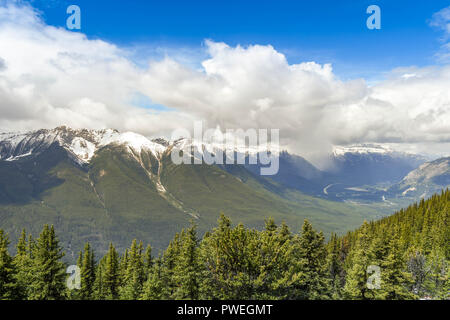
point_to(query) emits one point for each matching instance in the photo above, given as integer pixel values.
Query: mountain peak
(81, 142)
(363, 148)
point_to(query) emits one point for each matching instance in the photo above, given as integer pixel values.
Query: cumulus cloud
(54, 76)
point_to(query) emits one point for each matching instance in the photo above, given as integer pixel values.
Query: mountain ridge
(124, 191)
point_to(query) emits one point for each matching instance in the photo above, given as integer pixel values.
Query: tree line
(409, 248)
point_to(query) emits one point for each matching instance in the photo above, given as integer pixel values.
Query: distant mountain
(431, 177)
(103, 185)
(368, 164)
(356, 173)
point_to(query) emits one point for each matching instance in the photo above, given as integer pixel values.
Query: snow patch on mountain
(408, 190)
(81, 143)
(83, 149)
(135, 141)
(225, 147)
(361, 149)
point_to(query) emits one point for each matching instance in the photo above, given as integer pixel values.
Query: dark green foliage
(395, 280)
(410, 249)
(133, 275)
(23, 262)
(87, 269)
(335, 266)
(308, 271)
(188, 270)
(111, 275)
(155, 288)
(7, 270)
(47, 271)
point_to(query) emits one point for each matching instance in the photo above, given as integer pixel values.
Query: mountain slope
(295, 172)
(127, 186)
(429, 178)
(371, 164)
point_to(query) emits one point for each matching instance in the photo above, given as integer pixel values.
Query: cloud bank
(50, 76)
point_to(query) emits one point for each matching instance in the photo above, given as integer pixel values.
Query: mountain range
(103, 185)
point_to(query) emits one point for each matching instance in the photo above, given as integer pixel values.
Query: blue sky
(322, 31)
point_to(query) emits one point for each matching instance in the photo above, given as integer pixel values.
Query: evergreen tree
(123, 266)
(273, 261)
(395, 281)
(133, 280)
(87, 273)
(356, 280)
(22, 261)
(110, 276)
(309, 278)
(334, 266)
(418, 267)
(148, 261)
(8, 285)
(155, 288)
(188, 269)
(47, 271)
(230, 260)
(99, 290)
(169, 262)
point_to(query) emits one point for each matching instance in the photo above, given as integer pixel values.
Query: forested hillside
(410, 248)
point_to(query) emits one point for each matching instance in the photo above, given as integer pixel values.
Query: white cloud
(441, 21)
(51, 76)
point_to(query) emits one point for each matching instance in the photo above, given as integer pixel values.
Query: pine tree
(133, 280)
(110, 275)
(169, 262)
(155, 288)
(148, 261)
(22, 261)
(230, 260)
(356, 280)
(123, 266)
(309, 277)
(188, 269)
(8, 285)
(47, 271)
(99, 290)
(334, 266)
(395, 281)
(87, 273)
(437, 279)
(418, 267)
(273, 260)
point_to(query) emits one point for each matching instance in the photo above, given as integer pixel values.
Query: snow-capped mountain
(84, 143)
(370, 164)
(105, 186)
(81, 143)
(100, 184)
(352, 166)
(361, 149)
